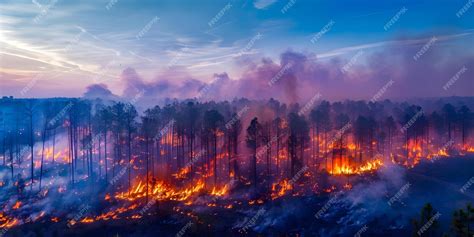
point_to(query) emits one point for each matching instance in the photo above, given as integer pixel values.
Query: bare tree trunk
(31, 149)
(54, 143)
(215, 159)
(100, 165)
(71, 152)
(255, 167)
(105, 156)
(11, 156)
(278, 150)
(129, 156)
(42, 157)
(147, 168)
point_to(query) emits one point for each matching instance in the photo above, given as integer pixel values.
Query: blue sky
(71, 44)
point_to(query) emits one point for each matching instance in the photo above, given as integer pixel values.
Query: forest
(187, 149)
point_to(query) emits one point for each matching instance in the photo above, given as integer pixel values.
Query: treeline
(256, 141)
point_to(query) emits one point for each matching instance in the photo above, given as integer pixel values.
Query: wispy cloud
(262, 4)
(406, 42)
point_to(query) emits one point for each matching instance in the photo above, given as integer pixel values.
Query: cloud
(262, 4)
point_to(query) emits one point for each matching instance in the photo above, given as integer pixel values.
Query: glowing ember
(17, 205)
(283, 186)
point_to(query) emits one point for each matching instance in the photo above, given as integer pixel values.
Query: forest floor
(366, 208)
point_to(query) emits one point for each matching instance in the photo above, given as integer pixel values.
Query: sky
(57, 48)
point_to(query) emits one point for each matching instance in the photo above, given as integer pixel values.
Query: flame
(283, 185)
(182, 173)
(7, 222)
(370, 166)
(347, 186)
(17, 205)
(161, 191)
(328, 190)
(87, 220)
(351, 146)
(346, 169)
(220, 192)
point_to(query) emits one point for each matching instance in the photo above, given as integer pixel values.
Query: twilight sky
(59, 48)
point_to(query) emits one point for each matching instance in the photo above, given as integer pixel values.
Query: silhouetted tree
(212, 122)
(463, 221)
(427, 224)
(253, 135)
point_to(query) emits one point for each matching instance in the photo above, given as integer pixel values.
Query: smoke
(368, 202)
(297, 76)
(171, 84)
(99, 91)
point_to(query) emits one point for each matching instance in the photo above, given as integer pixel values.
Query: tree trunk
(42, 157)
(129, 156)
(105, 155)
(215, 159)
(31, 150)
(147, 168)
